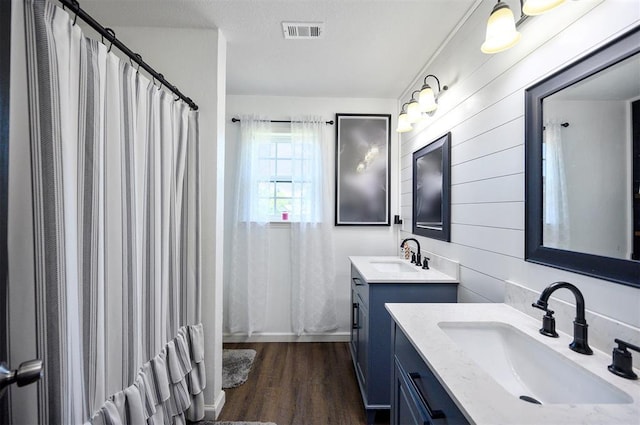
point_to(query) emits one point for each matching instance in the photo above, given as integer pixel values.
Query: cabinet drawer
(430, 399)
(360, 286)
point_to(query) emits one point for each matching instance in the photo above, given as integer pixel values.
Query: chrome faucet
(418, 256)
(580, 342)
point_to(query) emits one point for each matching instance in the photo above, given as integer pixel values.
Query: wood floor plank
(298, 384)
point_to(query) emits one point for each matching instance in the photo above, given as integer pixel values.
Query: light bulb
(360, 168)
(427, 99)
(538, 7)
(501, 30)
(403, 123)
(413, 112)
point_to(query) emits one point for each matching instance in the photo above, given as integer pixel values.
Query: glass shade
(501, 30)
(413, 112)
(403, 123)
(427, 99)
(538, 7)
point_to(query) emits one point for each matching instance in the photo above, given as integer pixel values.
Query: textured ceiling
(371, 48)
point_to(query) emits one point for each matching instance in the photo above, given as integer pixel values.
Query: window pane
(264, 150)
(300, 189)
(284, 168)
(284, 190)
(283, 204)
(284, 150)
(266, 189)
(266, 205)
(267, 167)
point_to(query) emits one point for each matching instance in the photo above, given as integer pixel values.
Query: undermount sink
(529, 369)
(394, 266)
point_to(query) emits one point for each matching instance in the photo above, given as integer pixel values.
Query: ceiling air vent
(303, 30)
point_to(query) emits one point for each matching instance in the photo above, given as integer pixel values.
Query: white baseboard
(211, 413)
(287, 337)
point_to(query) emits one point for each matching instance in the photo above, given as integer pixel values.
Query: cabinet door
(427, 398)
(404, 409)
(363, 340)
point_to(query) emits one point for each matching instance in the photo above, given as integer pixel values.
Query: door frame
(5, 68)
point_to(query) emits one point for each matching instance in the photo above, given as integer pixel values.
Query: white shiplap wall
(484, 110)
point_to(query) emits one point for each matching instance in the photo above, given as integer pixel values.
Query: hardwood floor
(298, 384)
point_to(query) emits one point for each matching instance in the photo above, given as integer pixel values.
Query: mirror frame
(626, 272)
(444, 234)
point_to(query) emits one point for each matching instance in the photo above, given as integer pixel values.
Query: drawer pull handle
(355, 316)
(434, 413)
(357, 281)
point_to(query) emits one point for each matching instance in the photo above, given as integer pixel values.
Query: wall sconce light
(538, 7)
(417, 109)
(414, 114)
(501, 30)
(403, 121)
(502, 33)
(427, 98)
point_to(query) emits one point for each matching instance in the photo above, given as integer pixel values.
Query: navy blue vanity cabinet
(418, 398)
(371, 331)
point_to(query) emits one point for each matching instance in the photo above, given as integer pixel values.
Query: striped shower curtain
(116, 223)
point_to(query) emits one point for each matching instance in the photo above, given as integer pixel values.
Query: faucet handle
(622, 364)
(413, 257)
(425, 263)
(549, 325)
(548, 321)
(542, 305)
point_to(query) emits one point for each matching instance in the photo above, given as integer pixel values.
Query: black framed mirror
(582, 165)
(432, 189)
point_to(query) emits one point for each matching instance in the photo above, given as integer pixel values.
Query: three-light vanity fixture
(417, 109)
(502, 33)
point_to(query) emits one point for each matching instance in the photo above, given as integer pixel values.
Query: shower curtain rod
(282, 121)
(109, 34)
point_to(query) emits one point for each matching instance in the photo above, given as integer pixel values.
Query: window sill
(280, 223)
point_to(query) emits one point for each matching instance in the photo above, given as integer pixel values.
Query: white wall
(598, 173)
(195, 61)
(348, 240)
(484, 110)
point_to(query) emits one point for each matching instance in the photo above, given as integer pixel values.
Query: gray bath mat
(237, 423)
(236, 365)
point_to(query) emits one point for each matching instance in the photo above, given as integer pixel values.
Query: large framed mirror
(582, 193)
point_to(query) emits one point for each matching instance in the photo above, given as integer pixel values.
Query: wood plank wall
(484, 110)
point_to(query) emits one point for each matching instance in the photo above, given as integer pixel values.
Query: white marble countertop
(371, 275)
(478, 395)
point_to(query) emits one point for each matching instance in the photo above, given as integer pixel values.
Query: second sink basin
(529, 369)
(393, 266)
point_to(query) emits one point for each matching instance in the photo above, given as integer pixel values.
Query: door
(5, 56)
(17, 297)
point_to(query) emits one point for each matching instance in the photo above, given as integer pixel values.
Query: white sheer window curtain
(312, 262)
(311, 251)
(556, 213)
(249, 283)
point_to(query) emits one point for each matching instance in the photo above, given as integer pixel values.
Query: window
(278, 190)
